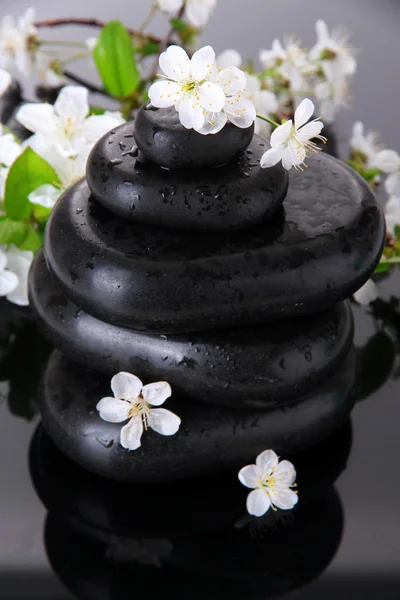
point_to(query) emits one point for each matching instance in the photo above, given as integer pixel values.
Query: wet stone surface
(210, 438)
(254, 366)
(317, 250)
(236, 196)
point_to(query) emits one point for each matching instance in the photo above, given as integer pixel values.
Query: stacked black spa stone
(178, 258)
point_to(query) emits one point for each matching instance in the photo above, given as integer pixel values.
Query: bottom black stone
(209, 440)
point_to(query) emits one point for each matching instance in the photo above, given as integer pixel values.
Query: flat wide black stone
(229, 198)
(161, 137)
(317, 251)
(253, 366)
(210, 438)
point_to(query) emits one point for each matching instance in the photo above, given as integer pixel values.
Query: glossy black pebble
(210, 438)
(166, 142)
(229, 198)
(317, 251)
(253, 366)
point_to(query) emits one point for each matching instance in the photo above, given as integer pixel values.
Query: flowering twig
(270, 121)
(90, 86)
(92, 23)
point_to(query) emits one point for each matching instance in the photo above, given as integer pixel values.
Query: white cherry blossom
(10, 149)
(333, 50)
(228, 58)
(366, 294)
(135, 401)
(45, 195)
(291, 142)
(18, 263)
(392, 213)
(388, 161)
(5, 81)
(67, 123)
(265, 102)
(197, 12)
(291, 62)
(332, 93)
(365, 143)
(238, 108)
(271, 482)
(8, 279)
(185, 85)
(18, 41)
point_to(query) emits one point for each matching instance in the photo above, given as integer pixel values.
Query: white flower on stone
(388, 161)
(265, 103)
(14, 269)
(392, 213)
(134, 401)
(186, 87)
(197, 12)
(366, 294)
(291, 143)
(5, 81)
(271, 482)
(365, 143)
(18, 41)
(332, 49)
(67, 123)
(238, 108)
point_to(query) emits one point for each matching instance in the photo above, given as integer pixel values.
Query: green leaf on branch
(148, 48)
(370, 174)
(185, 31)
(115, 61)
(383, 267)
(12, 232)
(27, 173)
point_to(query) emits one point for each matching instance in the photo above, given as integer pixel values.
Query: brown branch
(90, 86)
(93, 23)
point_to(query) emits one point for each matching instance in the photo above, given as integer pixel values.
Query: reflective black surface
(356, 553)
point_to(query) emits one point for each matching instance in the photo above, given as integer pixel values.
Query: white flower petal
(72, 104)
(232, 81)
(201, 63)
(175, 63)
(8, 282)
(249, 475)
(281, 134)
(94, 127)
(211, 96)
(258, 503)
(321, 29)
(303, 113)
(163, 94)
(387, 161)
(45, 195)
(285, 473)
(125, 385)
(191, 114)
(228, 58)
(284, 498)
(213, 123)
(19, 262)
(198, 11)
(267, 460)
(131, 434)
(38, 118)
(272, 156)
(170, 6)
(310, 130)
(164, 421)
(240, 111)
(156, 393)
(5, 80)
(392, 184)
(3, 260)
(366, 294)
(9, 149)
(114, 410)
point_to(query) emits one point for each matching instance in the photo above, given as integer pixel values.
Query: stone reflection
(193, 538)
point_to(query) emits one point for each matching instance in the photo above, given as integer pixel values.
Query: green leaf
(96, 110)
(33, 240)
(27, 173)
(185, 31)
(369, 174)
(12, 232)
(115, 61)
(149, 48)
(383, 267)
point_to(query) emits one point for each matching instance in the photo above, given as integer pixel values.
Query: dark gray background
(370, 487)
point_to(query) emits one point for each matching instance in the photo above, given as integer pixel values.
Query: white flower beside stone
(5, 81)
(271, 482)
(388, 161)
(197, 12)
(365, 143)
(14, 269)
(366, 294)
(291, 142)
(135, 401)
